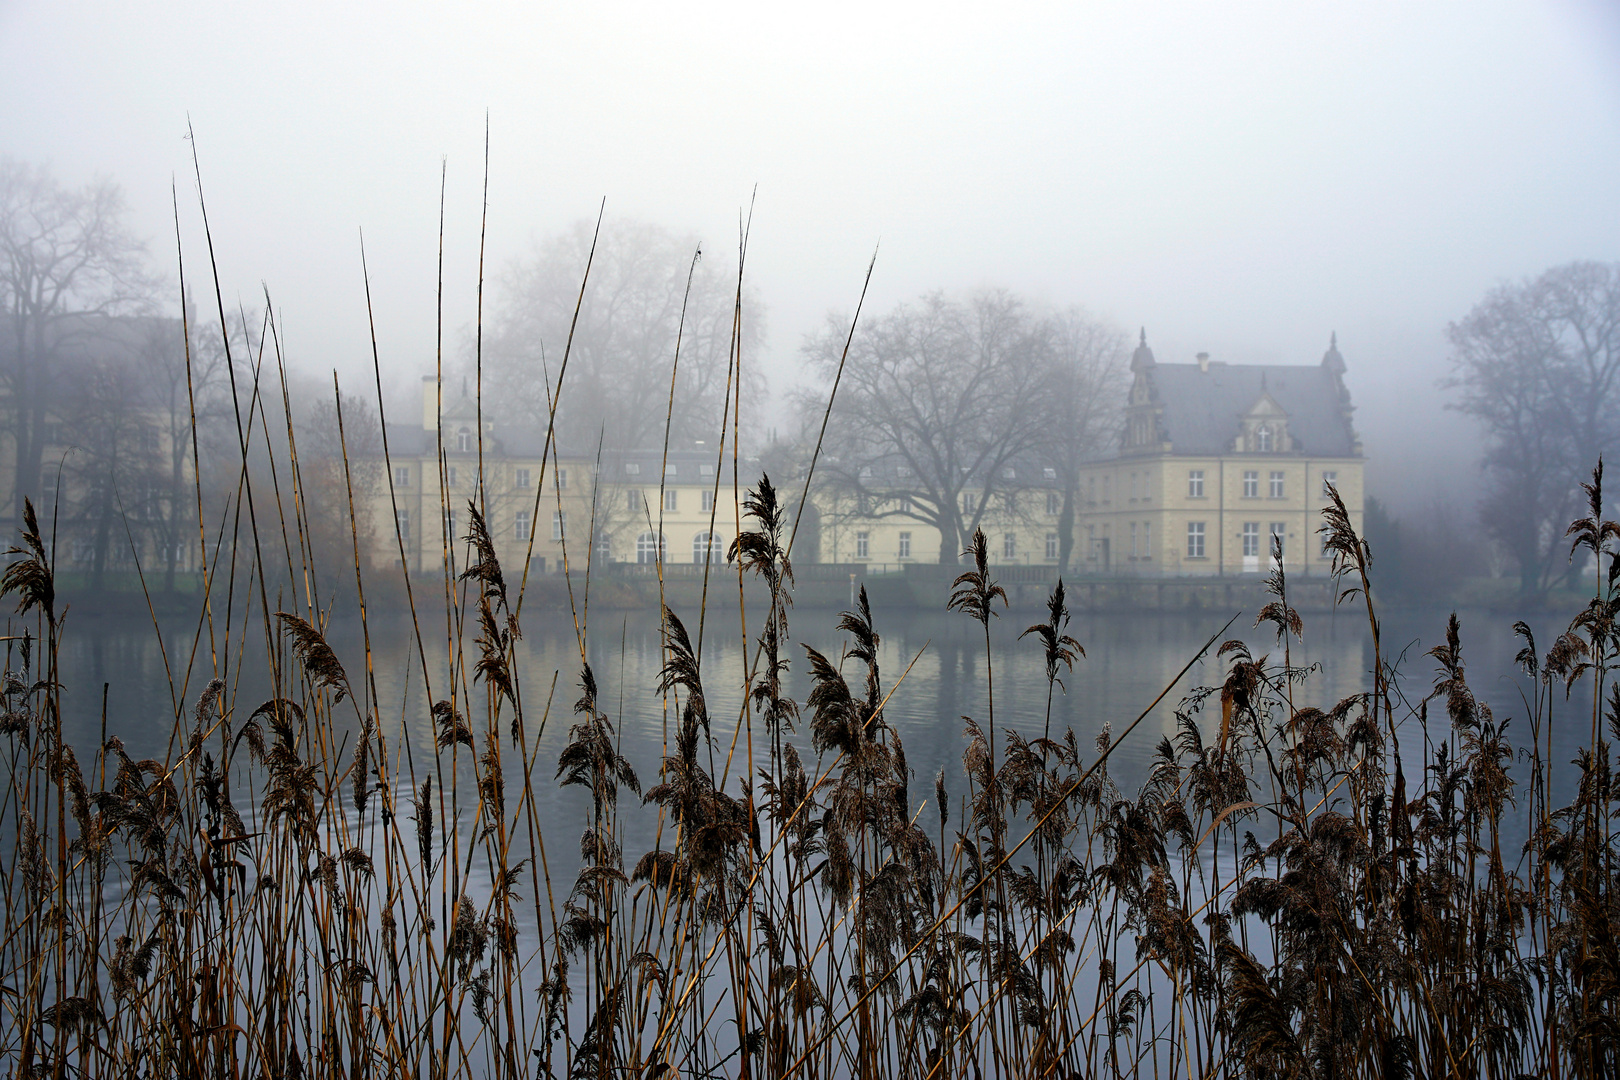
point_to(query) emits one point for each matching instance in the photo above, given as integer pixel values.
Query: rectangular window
(1195, 483)
(1276, 484)
(905, 504)
(522, 524)
(523, 478)
(450, 475)
(1009, 546)
(1278, 531)
(1330, 482)
(632, 468)
(402, 476)
(905, 545)
(450, 523)
(559, 522)
(1195, 539)
(1054, 504)
(633, 501)
(1133, 539)
(402, 519)
(562, 479)
(1052, 546)
(705, 470)
(1251, 539)
(1251, 483)
(671, 500)
(708, 500)
(969, 503)
(1147, 539)
(1108, 489)
(863, 545)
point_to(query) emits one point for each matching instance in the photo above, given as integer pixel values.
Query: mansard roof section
(695, 465)
(1204, 406)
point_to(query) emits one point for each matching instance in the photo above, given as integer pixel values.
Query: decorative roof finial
(1142, 358)
(1331, 359)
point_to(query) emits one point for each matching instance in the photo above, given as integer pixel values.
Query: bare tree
(618, 378)
(1538, 363)
(64, 255)
(939, 401)
(1083, 406)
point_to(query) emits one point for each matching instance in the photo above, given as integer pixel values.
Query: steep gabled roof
(1203, 409)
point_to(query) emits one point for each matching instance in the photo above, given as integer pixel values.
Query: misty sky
(1240, 179)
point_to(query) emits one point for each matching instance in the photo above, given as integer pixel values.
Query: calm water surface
(1129, 660)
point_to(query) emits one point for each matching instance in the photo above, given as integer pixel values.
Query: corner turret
(1331, 359)
(1142, 359)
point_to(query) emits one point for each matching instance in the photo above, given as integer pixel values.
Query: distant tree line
(109, 405)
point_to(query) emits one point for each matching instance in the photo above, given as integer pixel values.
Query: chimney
(1203, 362)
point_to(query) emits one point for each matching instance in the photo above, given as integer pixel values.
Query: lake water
(1129, 660)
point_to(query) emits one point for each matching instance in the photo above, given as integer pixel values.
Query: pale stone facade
(1215, 460)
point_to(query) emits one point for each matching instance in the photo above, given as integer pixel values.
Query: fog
(1242, 182)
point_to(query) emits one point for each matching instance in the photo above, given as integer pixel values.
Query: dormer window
(1262, 439)
(464, 440)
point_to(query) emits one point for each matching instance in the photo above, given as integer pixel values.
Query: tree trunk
(1066, 526)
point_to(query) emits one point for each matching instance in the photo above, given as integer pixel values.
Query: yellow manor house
(1213, 461)
(1217, 459)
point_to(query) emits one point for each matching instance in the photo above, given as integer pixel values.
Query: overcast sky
(1239, 179)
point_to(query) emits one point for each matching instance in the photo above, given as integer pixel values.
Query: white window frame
(1329, 477)
(903, 546)
(1195, 540)
(1277, 479)
(1279, 531)
(672, 501)
(1251, 483)
(402, 476)
(650, 548)
(708, 544)
(522, 478)
(559, 522)
(520, 523)
(1251, 539)
(1195, 483)
(1009, 545)
(863, 545)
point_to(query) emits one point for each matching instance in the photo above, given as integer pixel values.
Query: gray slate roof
(1202, 410)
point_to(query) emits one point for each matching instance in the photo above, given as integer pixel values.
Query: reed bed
(1299, 888)
(1296, 890)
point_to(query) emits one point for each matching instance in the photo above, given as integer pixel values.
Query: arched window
(710, 544)
(649, 548)
(1262, 439)
(464, 441)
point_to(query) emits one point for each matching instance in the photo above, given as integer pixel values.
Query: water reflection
(1129, 660)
